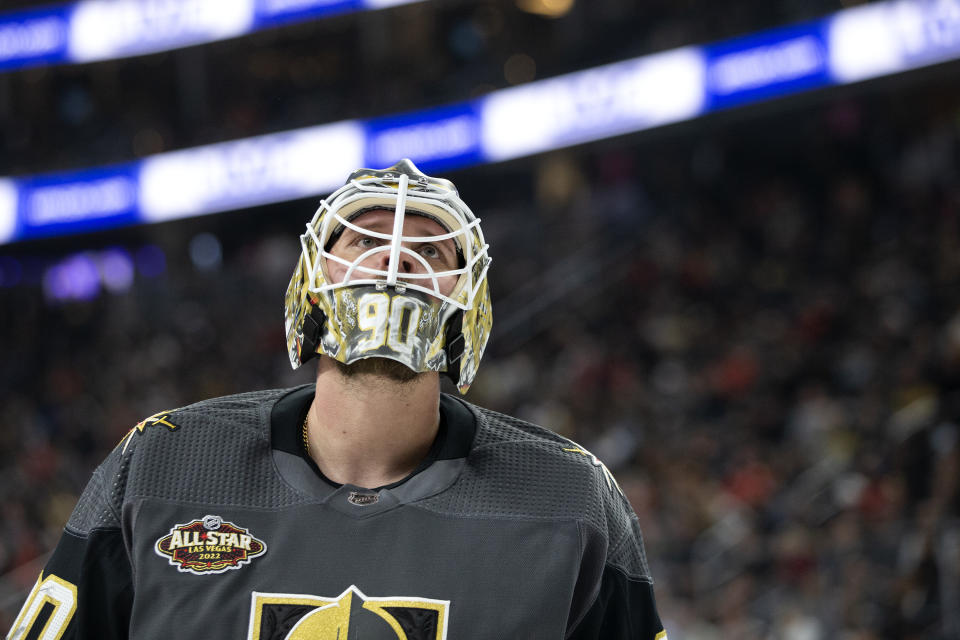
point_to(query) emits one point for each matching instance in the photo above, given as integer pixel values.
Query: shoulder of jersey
(496, 427)
(171, 455)
(215, 417)
(500, 430)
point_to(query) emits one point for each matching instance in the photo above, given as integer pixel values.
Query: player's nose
(405, 263)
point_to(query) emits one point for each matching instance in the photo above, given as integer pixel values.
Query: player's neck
(368, 430)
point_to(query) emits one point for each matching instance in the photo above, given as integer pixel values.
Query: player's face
(440, 255)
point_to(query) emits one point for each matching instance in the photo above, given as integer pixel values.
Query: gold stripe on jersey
(611, 481)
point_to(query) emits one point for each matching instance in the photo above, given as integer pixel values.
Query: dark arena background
(726, 242)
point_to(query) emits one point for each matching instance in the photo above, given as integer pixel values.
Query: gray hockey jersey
(210, 521)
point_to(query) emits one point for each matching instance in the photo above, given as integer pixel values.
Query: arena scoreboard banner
(34, 37)
(243, 173)
(73, 202)
(437, 139)
(597, 103)
(92, 30)
(632, 95)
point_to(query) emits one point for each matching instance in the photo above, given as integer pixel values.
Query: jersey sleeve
(614, 598)
(86, 588)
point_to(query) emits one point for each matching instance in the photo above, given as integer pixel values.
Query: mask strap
(312, 331)
(454, 343)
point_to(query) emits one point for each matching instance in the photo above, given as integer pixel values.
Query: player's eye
(366, 242)
(430, 252)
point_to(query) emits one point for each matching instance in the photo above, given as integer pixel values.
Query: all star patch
(209, 545)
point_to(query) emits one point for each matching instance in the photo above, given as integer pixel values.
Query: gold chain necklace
(305, 435)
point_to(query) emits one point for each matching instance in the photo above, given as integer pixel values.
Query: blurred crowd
(767, 352)
(753, 319)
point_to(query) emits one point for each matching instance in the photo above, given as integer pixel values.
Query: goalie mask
(393, 265)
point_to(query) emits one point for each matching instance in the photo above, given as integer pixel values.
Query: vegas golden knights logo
(351, 615)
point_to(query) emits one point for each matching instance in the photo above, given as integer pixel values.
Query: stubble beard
(379, 367)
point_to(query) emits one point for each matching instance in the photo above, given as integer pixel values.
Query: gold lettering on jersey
(209, 545)
(217, 541)
(281, 616)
